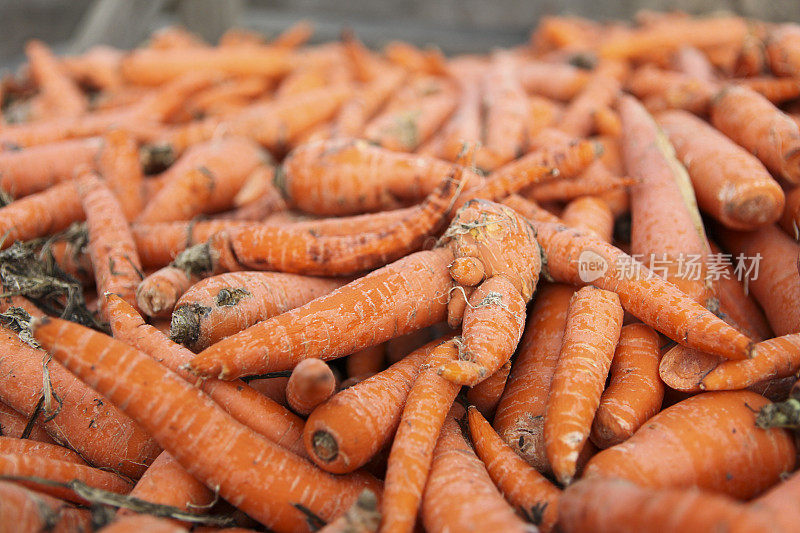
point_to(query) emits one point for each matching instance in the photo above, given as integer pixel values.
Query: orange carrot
(693, 62)
(118, 163)
(553, 80)
(294, 36)
(365, 363)
(411, 458)
(753, 122)
(59, 96)
(428, 61)
(579, 376)
(607, 122)
(775, 358)
(522, 485)
(781, 50)
(345, 432)
(272, 388)
(355, 114)
(776, 90)
(220, 306)
(143, 522)
(486, 395)
(542, 114)
(591, 214)
(635, 391)
(98, 67)
(599, 92)
(237, 399)
(362, 517)
(662, 89)
(12, 424)
(717, 450)
(26, 510)
(312, 382)
(781, 502)
(464, 127)
(594, 181)
(731, 184)
(506, 107)
(15, 446)
(34, 216)
(790, 220)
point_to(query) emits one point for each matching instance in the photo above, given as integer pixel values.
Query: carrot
(223, 167)
(157, 294)
(45, 468)
(731, 184)
(365, 363)
(607, 122)
(220, 306)
(15, 446)
(653, 300)
(58, 94)
(693, 62)
(34, 169)
(579, 377)
(98, 67)
(345, 432)
(410, 57)
(790, 220)
(522, 485)
(716, 450)
(530, 210)
(775, 358)
(415, 291)
(591, 214)
(596, 179)
(248, 468)
(599, 92)
(118, 163)
(505, 106)
(398, 347)
(237, 399)
(503, 243)
(166, 482)
(34, 216)
(781, 50)
(464, 126)
(662, 89)
(174, 38)
(751, 121)
(520, 414)
(542, 114)
(294, 36)
(26, 510)
(134, 523)
(211, 100)
(618, 506)
(272, 388)
(259, 198)
(115, 262)
(411, 457)
(774, 255)
(635, 390)
(12, 424)
(486, 395)
(781, 502)
(776, 90)
(312, 382)
(457, 476)
(158, 244)
(362, 517)
(553, 80)
(354, 114)
(73, 414)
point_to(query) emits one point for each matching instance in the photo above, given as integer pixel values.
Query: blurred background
(453, 25)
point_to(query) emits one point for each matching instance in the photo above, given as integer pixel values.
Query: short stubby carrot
(34, 215)
(523, 487)
(27, 510)
(635, 392)
(223, 305)
(683, 447)
(731, 184)
(246, 467)
(118, 163)
(312, 383)
(345, 432)
(753, 122)
(592, 329)
(412, 451)
(520, 415)
(775, 358)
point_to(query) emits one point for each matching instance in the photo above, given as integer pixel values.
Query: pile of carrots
(268, 284)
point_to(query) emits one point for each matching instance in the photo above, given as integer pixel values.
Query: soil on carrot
(231, 297)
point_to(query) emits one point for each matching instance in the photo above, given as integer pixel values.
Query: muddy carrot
(220, 306)
(118, 163)
(34, 215)
(312, 382)
(592, 214)
(635, 391)
(731, 184)
(28, 510)
(720, 448)
(249, 467)
(486, 395)
(158, 244)
(527, 490)
(412, 453)
(553, 80)
(58, 93)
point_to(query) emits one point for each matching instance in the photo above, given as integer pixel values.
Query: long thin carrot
(345, 432)
(15, 446)
(27, 510)
(312, 383)
(775, 358)
(753, 122)
(115, 261)
(240, 401)
(464, 126)
(412, 453)
(246, 467)
(524, 487)
(717, 450)
(34, 216)
(579, 376)
(635, 391)
(118, 163)
(220, 306)
(730, 183)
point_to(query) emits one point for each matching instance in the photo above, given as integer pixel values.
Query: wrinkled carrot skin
(345, 432)
(730, 184)
(312, 383)
(781, 50)
(719, 448)
(752, 121)
(458, 476)
(648, 297)
(775, 358)
(553, 80)
(237, 399)
(14, 446)
(251, 465)
(775, 287)
(220, 306)
(592, 214)
(521, 484)
(35, 169)
(115, 261)
(485, 396)
(25, 465)
(34, 216)
(579, 376)
(287, 335)
(411, 456)
(520, 415)
(26, 510)
(84, 419)
(118, 163)
(618, 506)
(635, 391)
(12, 424)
